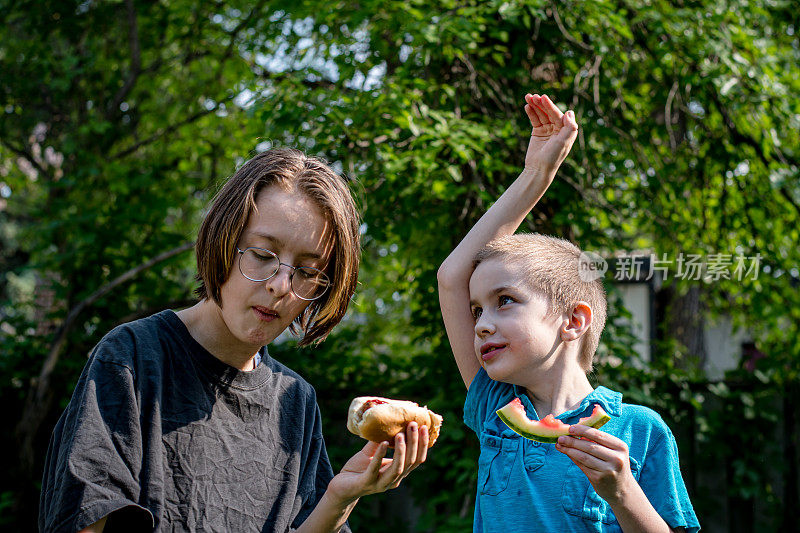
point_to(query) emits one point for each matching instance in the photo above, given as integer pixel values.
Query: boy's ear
(577, 323)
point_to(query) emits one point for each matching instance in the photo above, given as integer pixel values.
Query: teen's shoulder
(127, 343)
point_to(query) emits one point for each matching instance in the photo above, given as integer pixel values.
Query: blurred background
(119, 119)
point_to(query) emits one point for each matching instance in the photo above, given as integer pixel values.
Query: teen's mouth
(491, 349)
(265, 313)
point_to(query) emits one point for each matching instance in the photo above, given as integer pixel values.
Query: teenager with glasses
(182, 421)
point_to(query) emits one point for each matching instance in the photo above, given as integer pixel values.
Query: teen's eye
(503, 300)
(307, 272)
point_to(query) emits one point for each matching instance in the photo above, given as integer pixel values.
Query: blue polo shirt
(529, 486)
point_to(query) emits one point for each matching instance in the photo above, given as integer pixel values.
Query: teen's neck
(205, 325)
(558, 390)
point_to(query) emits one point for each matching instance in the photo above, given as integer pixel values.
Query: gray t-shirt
(173, 439)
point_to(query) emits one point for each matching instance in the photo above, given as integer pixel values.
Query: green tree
(118, 118)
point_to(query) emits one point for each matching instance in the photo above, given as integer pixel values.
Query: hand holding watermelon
(603, 458)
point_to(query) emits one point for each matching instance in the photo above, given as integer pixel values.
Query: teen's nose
(281, 283)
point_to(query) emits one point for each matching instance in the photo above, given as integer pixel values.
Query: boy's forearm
(328, 516)
(636, 514)
(503, 218)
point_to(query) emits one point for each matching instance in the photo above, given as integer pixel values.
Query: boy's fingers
(552, 111)
(582, 459)
(540, 114)
(535, 122)
(568, 121)
(600, 437)
(589, 447)
(568, 134)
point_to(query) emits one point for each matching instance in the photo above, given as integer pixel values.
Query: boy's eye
(476, 312)
(503, 300)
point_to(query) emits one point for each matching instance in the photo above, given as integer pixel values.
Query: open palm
(361, 474)
(369, 472)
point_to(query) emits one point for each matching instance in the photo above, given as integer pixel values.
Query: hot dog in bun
(379, 419)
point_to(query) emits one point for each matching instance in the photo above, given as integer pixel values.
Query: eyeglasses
(258, 264)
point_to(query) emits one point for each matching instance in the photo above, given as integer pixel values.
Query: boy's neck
(558, 390)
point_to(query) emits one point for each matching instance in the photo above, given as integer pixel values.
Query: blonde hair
(551, 266)
(230, 210)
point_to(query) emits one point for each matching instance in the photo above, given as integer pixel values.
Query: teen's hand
(369, 472)
(552, 134)
(603, 458)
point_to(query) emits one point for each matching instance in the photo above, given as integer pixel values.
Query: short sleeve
(94, 458)
(662, 482)
(317, 474)
(484, 397)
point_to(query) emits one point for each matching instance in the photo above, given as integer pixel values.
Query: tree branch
(164, 131)
(29, 158)
(35, 406)
(239, 27)
(738, 136)
(136, 61)
(668, 116)
(564, 31)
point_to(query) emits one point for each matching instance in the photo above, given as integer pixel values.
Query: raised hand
(369, 472)
(552, 134)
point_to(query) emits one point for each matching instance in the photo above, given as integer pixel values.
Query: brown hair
(230, 210)
(552, 268)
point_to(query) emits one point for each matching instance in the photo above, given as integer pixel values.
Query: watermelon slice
(547, 429)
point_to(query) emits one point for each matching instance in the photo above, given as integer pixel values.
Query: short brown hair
(552, 268)
(230, 210)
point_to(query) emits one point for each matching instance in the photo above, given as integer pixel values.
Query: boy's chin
(496, 374)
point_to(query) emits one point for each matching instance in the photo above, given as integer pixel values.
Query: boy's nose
(483, 327)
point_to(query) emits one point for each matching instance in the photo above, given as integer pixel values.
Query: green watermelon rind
(596, 424)
(523, 433)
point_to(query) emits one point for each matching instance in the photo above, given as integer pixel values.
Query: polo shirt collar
(608, 399)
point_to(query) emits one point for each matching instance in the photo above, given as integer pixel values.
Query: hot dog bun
(379, 419)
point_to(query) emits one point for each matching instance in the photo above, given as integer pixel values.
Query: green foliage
(117, 120)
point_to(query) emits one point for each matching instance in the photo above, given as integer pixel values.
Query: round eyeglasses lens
(258, 265)
(309, 283)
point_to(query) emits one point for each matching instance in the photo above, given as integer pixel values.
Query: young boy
(523, 324)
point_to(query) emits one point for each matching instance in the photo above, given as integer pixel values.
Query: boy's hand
(602, 457)
(368, 472)
(552, 135)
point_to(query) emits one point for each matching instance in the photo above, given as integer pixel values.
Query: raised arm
(552, 135)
